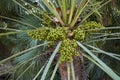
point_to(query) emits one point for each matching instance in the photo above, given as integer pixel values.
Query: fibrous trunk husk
(80, 73)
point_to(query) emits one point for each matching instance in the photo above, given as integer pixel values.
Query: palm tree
(52, 23)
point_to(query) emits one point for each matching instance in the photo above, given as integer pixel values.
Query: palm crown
(65, 23)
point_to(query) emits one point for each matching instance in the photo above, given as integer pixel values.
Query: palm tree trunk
(80, 73)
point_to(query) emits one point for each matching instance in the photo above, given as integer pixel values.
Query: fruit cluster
(79, 34)
(87, 28)
(46, 19)
(56, 34)
(39, 34)
(90, 27)
(68, 50)
(68, 37)
(49, 34)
